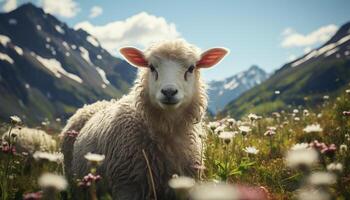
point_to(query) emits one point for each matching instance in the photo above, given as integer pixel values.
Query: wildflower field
(295, 153)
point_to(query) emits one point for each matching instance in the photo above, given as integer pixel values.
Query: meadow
(295, 153)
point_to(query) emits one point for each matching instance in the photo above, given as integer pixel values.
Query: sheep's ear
(134, 56)
(211, 57)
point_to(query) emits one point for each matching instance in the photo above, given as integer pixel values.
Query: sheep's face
(173, 71)
(171, 83)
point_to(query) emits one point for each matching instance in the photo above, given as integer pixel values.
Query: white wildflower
(270, 132)
(276, 114)
(313, 128)
(213, 125)
(231, 121)
(45, 123)
(251, 150)
(55, 181)
(313, 194)
(227, 136)
(244, 129)
(295, 111)
(253, 117)
(326, 97)
(343, 148)
(52, 157)
(214, 191)
(95, 158)
(181, 182)
(335, 167)
(272, 128)
(277, 92)
(347, 91)
(219, 129)
(301, 158)
(15, 120)
(296, 119)
(322, 178)
(300, 146)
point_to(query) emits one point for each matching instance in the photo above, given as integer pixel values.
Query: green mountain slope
(323, 71)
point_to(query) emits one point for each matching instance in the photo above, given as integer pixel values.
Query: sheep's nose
(169, 91)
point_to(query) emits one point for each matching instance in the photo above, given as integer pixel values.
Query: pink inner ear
(211, 57)
(134, 56)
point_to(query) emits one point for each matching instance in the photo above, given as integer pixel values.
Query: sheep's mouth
(169, 101)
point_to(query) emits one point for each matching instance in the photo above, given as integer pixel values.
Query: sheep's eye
(191, 68)
(152, 68)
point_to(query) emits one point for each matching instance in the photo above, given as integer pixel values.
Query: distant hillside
(222, 92)
(323, 71)
(47, 69)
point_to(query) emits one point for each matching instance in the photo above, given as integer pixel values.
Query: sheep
(30, 140)
(161, 116)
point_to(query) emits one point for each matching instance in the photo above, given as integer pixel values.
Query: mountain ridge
(321, 72)
(221, 92)
(49, 69)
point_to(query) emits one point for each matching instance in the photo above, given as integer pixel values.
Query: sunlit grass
(250, 151)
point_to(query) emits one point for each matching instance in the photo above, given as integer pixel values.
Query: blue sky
(251, 29)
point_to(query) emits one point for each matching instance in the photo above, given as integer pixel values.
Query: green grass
(227, 161)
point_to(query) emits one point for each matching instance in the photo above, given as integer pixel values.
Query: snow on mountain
(222, 92)
(4, 40)
(324, 71)
(336, 47)
(6, 58)
(56, 68)
(92, 40)
(48, 69)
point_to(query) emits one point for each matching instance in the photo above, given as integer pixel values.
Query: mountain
(222, 92)
(304, 81)
(48, 69)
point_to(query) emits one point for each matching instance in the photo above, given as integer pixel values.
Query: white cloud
(95, 11)
(9, 5)
(63, 8)
(294, 39)
(139, 30)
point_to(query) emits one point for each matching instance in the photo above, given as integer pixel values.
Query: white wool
(30, 140)
(102, 125)
(77, 121)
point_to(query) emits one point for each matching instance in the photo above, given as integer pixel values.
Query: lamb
(161, 115)
(30, 140)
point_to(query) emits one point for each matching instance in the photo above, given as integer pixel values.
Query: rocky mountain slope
(304, 81)
(48, 69)
(222, 92)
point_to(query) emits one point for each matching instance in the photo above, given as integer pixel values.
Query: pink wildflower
(88, 180)
(33, 196)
